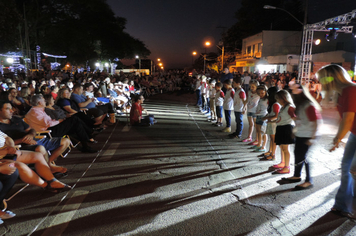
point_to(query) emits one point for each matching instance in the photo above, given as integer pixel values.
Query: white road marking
(107, 155)
(62, 219)
(126, 128)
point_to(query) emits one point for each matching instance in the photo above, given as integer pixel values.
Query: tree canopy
(252, 19)
(81, 29)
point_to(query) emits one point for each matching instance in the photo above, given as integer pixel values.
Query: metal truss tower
(340, 22)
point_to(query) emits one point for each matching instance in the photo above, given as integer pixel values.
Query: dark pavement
(181, 176)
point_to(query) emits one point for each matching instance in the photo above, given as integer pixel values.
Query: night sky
(172, 30)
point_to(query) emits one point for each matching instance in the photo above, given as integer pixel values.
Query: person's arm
(345, 126)
(69, 110)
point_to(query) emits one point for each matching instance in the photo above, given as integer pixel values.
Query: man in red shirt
(136, 114)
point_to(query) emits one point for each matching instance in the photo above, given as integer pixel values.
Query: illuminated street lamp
(139, 61)
(10, 60)
(160, 64)
(97, 64)
(207, 44)
(159, 59)
(193, 55)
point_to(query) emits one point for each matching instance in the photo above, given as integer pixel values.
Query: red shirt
(134, 118)
(346, 103)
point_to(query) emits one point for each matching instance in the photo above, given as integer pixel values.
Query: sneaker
(227, 130)
(218, 124)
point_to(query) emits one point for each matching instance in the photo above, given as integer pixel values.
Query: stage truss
(341, 22)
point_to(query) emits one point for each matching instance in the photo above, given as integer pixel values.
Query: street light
(207, 44)
(10, 60)
(274, 8)
(304, 33)
(193, 54)
(159, 59)
(139, 62)
(97, 64)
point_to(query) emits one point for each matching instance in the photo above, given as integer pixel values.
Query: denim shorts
(259, 121)
(219, 111)
(251, 114)
(49, 144)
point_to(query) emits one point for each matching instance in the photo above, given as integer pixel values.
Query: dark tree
(9, 26)
(82, 29)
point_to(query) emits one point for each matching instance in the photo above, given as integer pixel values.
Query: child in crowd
(273, 110)
(261, 112)
(239, 107)
(228, 104)
(212, 93)
(284, 131)
(252, 101)
(219, 101)
(203, 91)
(307, 123)
(197, 90)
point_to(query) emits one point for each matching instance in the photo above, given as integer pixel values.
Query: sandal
(278, 166)
(49, 188)
(247, 140)
(284, 170)
(271, 158)
(344, 214)
(264, 155)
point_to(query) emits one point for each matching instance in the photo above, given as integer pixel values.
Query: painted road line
(126, 128)
(108, 153)
(62, 219)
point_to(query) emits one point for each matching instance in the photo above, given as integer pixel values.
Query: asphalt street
(182, 176)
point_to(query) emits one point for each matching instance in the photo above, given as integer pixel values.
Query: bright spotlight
(317, 42)
(97, 64)
(10, 60)
(106, 64)
(137, 56)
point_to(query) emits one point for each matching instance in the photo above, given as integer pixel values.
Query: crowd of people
(279, 110)
(285, 112)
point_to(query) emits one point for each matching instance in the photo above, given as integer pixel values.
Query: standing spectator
(212, 93)
(307, 123)
(226, 76)
(252, 101)
(246, 81)
(335, 79)
(228, 104)
(219, 101)
(197, 90)
(239, 107)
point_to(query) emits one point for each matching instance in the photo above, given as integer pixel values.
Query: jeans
(344, 196)
(300, 153)
(228, 118)
(199, 102)
(239, 123)
(207, 105)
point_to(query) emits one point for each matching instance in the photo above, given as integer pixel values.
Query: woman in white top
(284, 131)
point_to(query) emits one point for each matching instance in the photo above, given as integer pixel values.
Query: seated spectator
(18, 106)
(89, 93)
(22, 134)
(98, 112)
(40, 121)
(136, 113)
(72, 108)
(19, 159)
(56, 113)
(54, 91)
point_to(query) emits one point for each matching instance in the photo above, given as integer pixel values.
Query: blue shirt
(81, 98)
